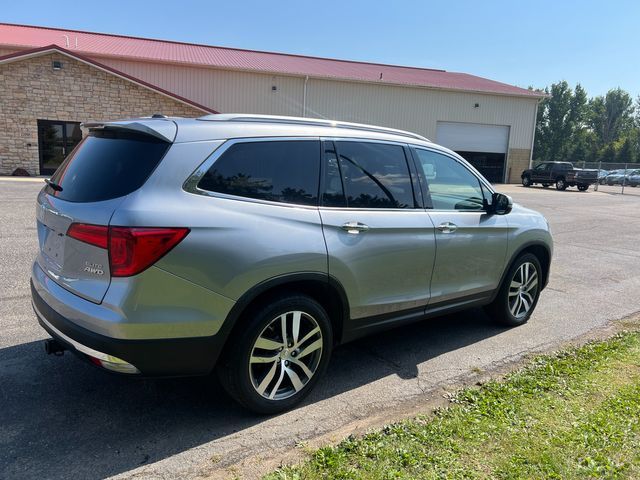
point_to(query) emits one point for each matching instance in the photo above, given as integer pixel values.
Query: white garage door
(473, 137)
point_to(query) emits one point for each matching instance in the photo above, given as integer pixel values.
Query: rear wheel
(561, 184)
(583, 188)
(279, 355)
(526, 181)
(518, 295)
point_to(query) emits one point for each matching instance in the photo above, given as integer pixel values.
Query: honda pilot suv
(254, 245)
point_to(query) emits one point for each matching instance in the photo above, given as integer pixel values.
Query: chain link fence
(614, 178)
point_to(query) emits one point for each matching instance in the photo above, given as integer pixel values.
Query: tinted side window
(107, 165)
(451, 186)
(375, 175)
(279, 171)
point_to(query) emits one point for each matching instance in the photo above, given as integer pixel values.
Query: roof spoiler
(165, 130)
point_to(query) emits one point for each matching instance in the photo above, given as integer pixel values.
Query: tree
(611, 116)
(560, 117)
(608, 154)
(626, 154)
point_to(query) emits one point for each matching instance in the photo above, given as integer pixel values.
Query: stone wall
(30, 90)
(517, 161)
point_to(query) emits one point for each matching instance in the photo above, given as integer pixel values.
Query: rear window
(277, 171)
(107, 165)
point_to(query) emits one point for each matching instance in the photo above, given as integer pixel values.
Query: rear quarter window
(285, 171)
(107, 165)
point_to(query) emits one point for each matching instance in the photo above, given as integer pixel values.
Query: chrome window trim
(190, 185)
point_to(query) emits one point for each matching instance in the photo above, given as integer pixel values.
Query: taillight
(131, 249)
(92, 234)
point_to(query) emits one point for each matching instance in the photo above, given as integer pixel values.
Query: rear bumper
(157, 357)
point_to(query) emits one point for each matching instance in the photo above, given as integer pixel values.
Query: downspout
(533, 134)
(304, 97)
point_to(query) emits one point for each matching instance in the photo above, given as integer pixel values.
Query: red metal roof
(162, 51)
(16, 56)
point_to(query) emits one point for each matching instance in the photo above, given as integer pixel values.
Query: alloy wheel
(286, 355)
(523, 290)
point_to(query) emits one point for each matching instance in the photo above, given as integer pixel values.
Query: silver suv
(253, 245)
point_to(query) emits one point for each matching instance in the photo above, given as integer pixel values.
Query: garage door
(484, 146)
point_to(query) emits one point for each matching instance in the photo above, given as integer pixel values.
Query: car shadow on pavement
(61, 418)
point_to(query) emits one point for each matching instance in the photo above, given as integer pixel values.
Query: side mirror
(501, 204)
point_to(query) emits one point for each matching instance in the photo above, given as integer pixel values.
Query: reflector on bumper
(112, 363)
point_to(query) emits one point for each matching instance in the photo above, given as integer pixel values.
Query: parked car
(631, 177)
(615, 177)
(253, 245)
(602, 175)
(562, 174)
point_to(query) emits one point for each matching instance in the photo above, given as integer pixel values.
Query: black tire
(583, 188)
(526, 181)
(234, 368)
(500, 309)
(561, 184)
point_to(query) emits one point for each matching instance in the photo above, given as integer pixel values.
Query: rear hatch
(114, 160)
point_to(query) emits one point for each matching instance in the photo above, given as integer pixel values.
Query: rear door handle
(355, 227)
(447, 227)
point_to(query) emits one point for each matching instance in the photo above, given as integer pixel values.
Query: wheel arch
(542, 253)
(323, 288)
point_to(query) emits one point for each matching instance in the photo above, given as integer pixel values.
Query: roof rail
(320, 122)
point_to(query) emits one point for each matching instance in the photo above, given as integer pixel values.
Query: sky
(534, 43)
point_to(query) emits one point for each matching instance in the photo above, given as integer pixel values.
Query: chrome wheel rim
(523, 290)
(560, 183)
(286, 355)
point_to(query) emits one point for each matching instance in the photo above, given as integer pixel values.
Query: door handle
(355, 227)
(447, 227)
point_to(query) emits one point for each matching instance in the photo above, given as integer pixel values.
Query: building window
(56, 140)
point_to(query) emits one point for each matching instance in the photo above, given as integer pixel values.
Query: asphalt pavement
(61, 418)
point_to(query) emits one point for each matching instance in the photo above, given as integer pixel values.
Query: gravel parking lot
(60, 418)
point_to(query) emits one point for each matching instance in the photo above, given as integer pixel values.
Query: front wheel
(583, 188)
(561, 184)
(519, 292)
(279, 354)
(526, 181)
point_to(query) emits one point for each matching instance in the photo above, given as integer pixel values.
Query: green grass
(575, 414)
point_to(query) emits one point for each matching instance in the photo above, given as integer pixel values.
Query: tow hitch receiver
(53, 347)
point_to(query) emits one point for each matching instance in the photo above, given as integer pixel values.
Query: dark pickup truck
(562, 174)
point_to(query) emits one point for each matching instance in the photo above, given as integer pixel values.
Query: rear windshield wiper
(53, 185)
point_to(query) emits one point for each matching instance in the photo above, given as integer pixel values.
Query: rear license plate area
(53, 246)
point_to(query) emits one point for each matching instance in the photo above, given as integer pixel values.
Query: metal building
(68, 77)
